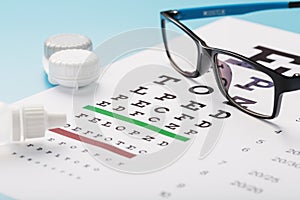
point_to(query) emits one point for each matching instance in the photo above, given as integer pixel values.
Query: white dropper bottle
(25, 122)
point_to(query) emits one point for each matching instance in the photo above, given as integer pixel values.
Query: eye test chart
(146, 132)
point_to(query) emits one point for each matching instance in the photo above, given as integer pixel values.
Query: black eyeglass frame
(207, 58)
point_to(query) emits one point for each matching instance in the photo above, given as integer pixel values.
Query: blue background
(26, 24)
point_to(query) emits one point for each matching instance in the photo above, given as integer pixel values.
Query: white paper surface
(249, 158)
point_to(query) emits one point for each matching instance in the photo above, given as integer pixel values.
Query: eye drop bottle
(25, 122)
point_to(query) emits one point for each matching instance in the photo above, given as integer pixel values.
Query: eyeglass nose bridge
(205, 60)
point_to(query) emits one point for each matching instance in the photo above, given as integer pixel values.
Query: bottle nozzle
(56, 120)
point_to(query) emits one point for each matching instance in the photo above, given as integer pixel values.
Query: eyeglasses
(191, 57)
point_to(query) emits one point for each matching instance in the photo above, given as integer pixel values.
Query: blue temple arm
(237, 9)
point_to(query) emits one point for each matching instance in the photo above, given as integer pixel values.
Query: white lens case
(69, 61)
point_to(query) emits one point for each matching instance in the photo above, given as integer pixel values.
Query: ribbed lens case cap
(62, 42)
(73, 68)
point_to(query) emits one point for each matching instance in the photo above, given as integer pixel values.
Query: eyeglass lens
(251, 89)
(182, 48)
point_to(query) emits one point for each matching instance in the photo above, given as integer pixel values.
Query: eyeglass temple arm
(293, 83)
(213, 11)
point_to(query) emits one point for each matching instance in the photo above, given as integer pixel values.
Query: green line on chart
(136, 122)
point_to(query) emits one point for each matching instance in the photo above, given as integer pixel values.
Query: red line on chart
(92, 142)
